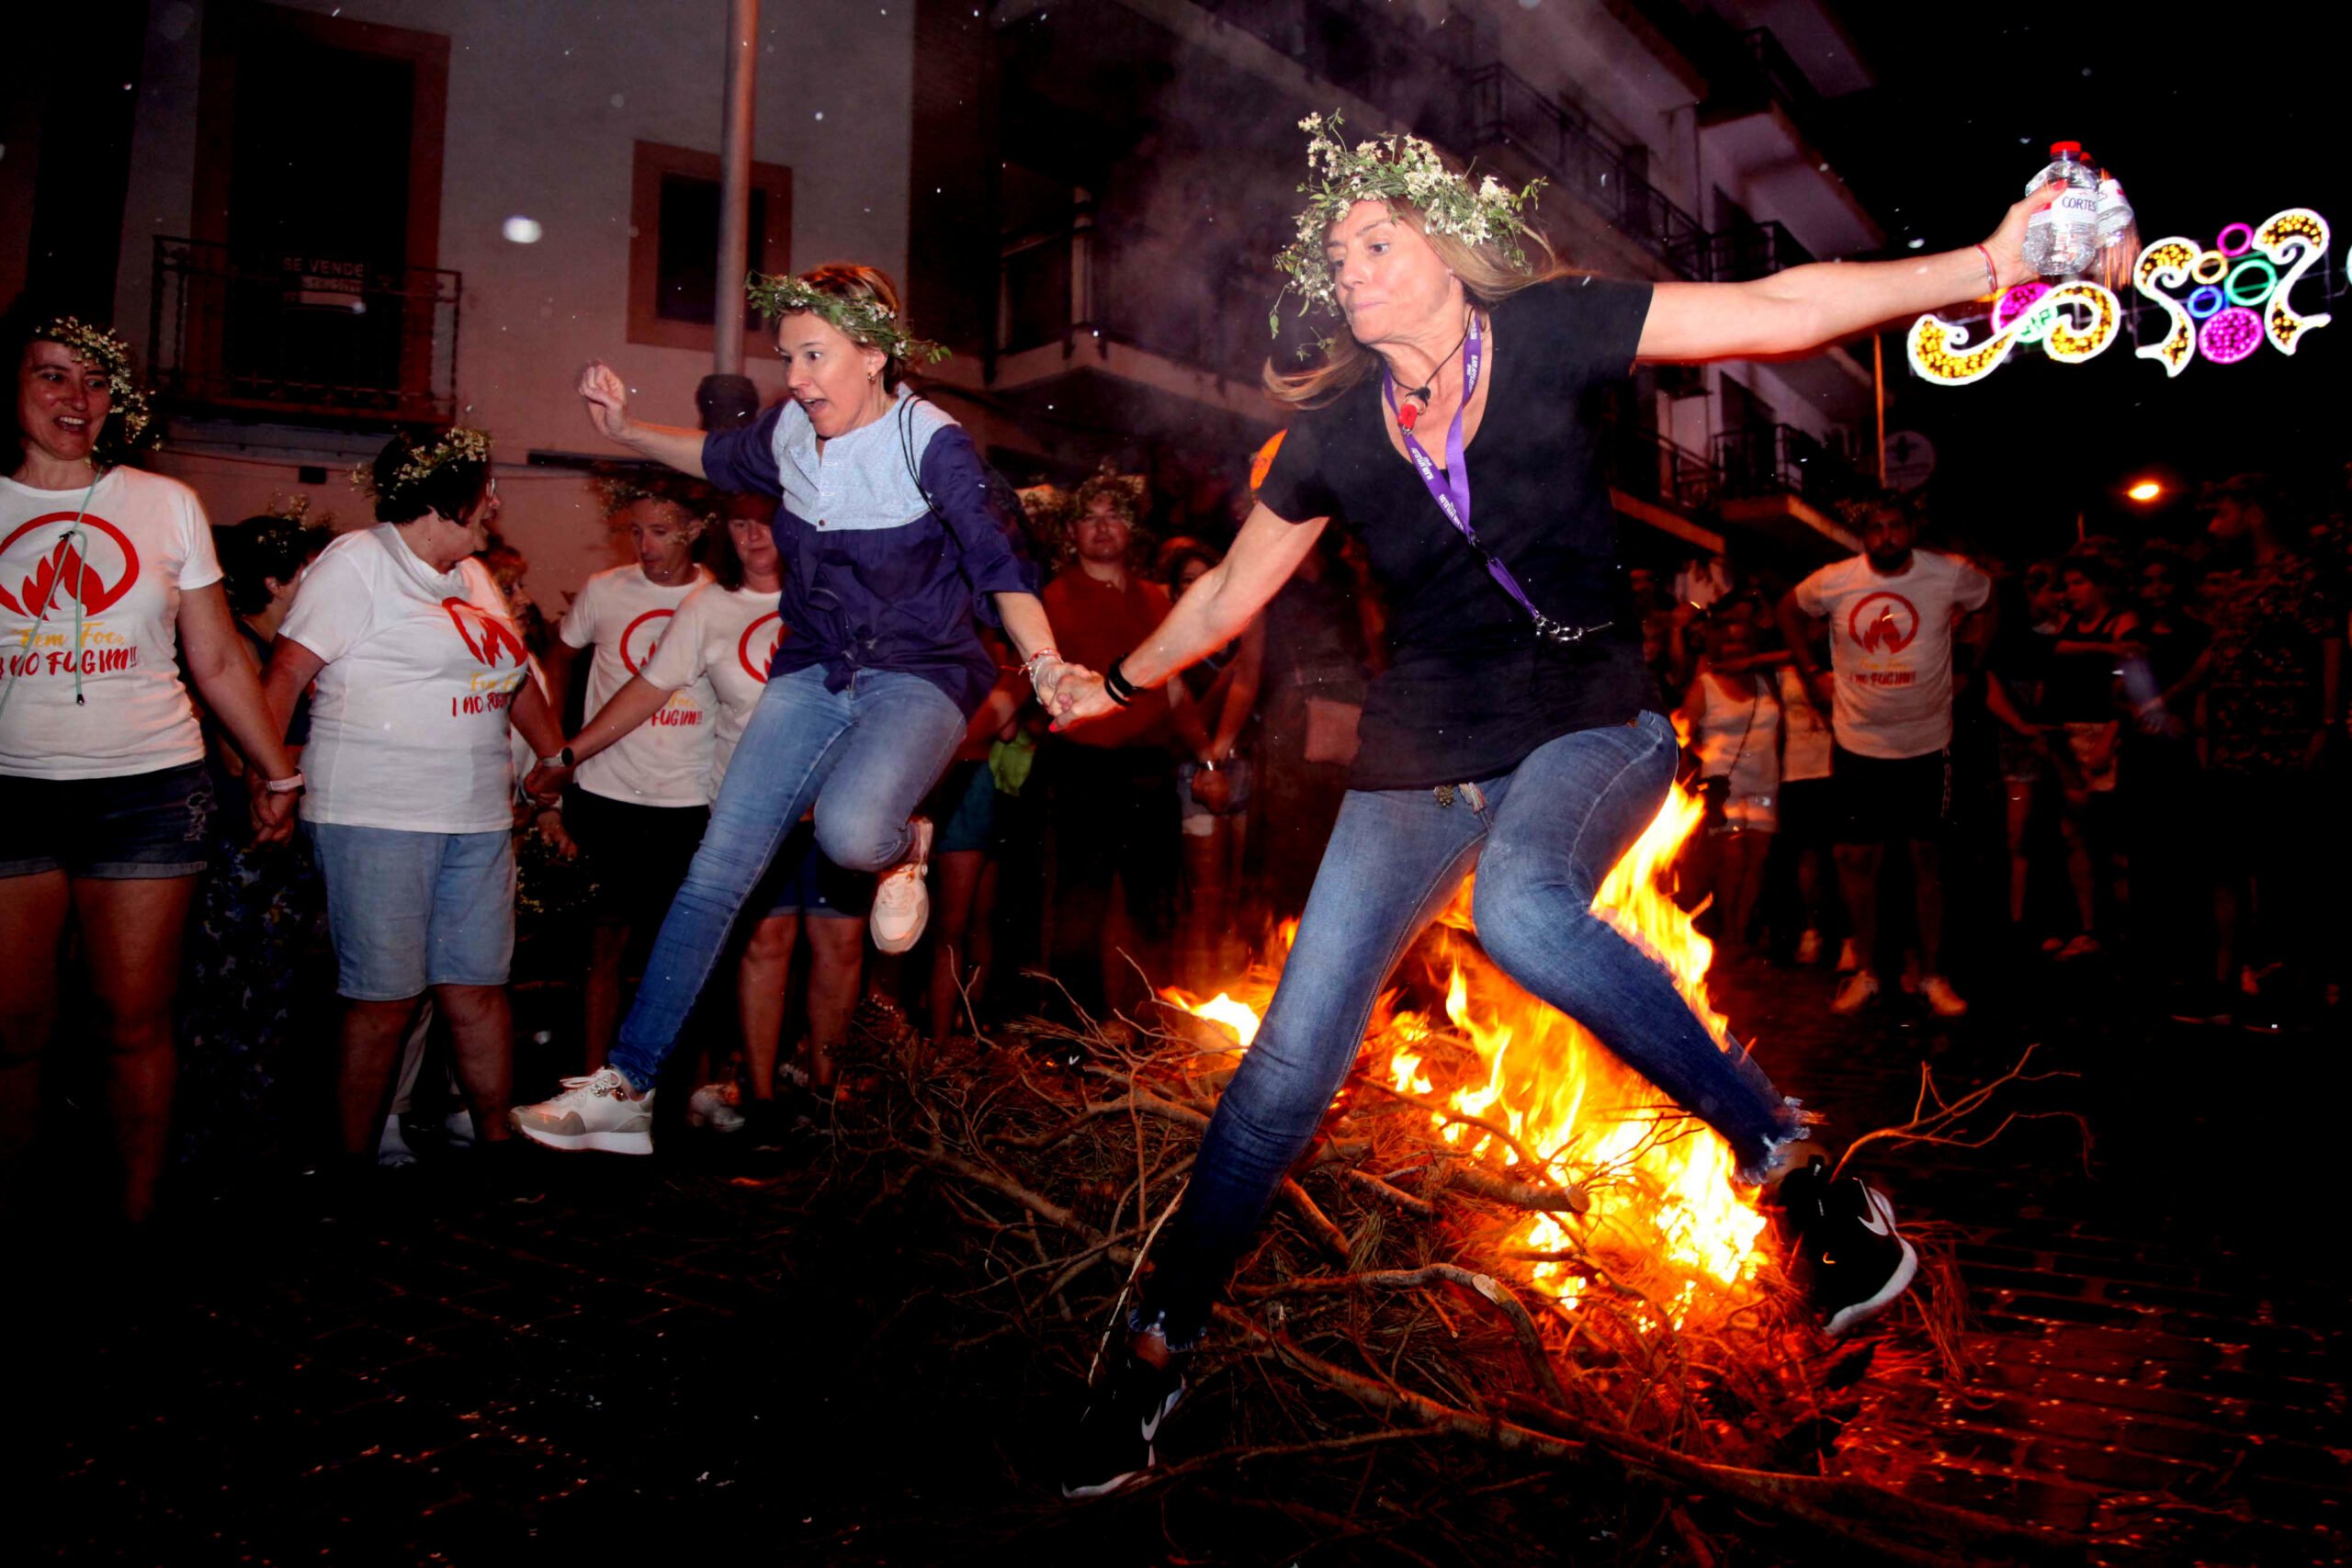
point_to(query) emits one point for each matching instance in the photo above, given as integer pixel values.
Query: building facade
(338, 217)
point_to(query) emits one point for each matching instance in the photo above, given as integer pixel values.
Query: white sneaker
(458, 1128)
(599, 1111)
(1809, 948)
(1848, 959)
(901, 902)
(1860, 989)
(392, 1148)
(716, 1107)
(1947, 1002)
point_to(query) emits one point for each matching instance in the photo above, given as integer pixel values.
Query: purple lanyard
(1451, 491)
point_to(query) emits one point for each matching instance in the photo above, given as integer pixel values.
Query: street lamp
(2146, 492)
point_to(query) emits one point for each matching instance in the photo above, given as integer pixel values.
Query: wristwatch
(562, 759)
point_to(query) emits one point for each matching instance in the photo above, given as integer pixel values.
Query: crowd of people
(851, 687)
(2038, 737)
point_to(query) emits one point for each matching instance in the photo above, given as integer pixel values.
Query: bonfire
(1502, 1238)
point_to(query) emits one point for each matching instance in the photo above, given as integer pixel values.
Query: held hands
(1078, 697)
(272, 815)
(607, 399)
(544, 783)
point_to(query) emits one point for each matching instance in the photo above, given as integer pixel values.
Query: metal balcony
(303, 337)
(1781, 460)
(1506, 109)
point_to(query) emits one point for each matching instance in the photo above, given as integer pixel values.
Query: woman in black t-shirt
(1517, 730)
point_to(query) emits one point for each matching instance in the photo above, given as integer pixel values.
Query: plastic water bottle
(2115, 214)
(2063, 239)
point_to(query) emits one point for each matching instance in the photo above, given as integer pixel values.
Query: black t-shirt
(1470, 691)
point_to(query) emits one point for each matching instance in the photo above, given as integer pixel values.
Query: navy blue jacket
(874, 578)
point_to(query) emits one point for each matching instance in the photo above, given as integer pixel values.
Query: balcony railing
(1780, 459)
(304, 337)
(1505, 109)
(1782, 77)
(1653, 467)
(1736, 255)
(1134, 287)
(1423, 75)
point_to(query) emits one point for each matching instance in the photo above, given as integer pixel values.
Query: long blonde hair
(1488, 275)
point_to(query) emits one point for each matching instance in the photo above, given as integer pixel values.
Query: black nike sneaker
(1113, 1444)
(1844, 1245)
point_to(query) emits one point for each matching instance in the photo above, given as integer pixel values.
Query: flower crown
(862, 320)
(1391, 168)
(456, 444)
(620, 487)
(103, 350)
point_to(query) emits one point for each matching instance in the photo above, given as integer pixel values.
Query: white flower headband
(103, 350)
(457, 445)
(1391, 168)
(865, 320)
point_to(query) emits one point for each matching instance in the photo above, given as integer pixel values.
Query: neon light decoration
(2230, 336)
(2259, 293)
(2074, 321)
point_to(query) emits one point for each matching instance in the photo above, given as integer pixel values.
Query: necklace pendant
(1408, 415)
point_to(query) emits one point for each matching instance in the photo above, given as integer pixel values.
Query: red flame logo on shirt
(63, 575)
(757, 669)
(1882, 623)
(487, 634)
(628, 634)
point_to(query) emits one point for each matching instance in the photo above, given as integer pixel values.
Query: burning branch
(1941, 1125)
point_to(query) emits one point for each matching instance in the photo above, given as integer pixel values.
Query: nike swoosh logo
(1878, 1216)
(1167, 1407)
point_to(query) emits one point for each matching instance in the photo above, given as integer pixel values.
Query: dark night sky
(2209, 115)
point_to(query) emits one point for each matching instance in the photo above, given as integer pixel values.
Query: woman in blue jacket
(893, 533)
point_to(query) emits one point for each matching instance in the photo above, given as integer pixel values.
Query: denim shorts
(123, 829)
(407, 911)
(801, 881)
(964, 805)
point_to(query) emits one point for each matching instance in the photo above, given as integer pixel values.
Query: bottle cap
(2060, 148)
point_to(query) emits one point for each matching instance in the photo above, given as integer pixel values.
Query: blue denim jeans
(1544, 839)
(864, 756)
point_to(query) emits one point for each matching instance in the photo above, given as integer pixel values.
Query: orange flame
(1666, 1221)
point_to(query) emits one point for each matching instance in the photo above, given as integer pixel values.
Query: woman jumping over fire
(894, 533)
(1517, 731)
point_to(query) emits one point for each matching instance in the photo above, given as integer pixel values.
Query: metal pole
(726, 395)
(1878, 388)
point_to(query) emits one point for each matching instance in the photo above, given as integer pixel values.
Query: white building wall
(546, 100)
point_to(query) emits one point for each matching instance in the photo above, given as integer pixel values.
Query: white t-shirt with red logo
(625, 616)
(408, 721)
(119, 573)
(725, 636)
(1890, 649)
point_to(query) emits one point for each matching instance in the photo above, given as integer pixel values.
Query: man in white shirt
(1892, 612)
(638, 808)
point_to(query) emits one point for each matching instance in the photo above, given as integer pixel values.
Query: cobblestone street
(686, 1355)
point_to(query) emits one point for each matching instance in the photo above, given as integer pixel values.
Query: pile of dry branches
(1387, 1318)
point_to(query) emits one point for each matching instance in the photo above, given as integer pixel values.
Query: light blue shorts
(408, 910)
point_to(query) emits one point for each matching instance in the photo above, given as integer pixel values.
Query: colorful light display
(2243, 291)
(2222, 301)
(2073, 321)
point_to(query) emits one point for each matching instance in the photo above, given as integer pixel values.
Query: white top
(1739, 741)
(1890, 649)
(864, 478)
(623, 615)
(408, 721)
(725, 636)
(1804, 734)
(100, 600)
